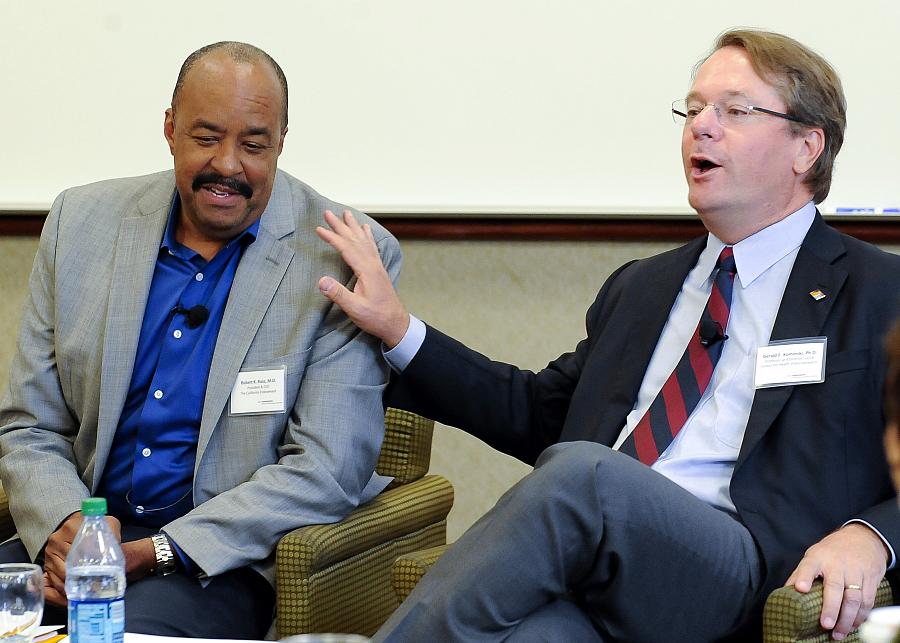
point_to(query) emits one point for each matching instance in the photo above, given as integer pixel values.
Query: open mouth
(701, 165)
(221, 187)
(220, 191)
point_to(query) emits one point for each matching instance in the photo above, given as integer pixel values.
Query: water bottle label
(97, 621)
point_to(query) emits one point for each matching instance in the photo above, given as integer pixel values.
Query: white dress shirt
(701, 457)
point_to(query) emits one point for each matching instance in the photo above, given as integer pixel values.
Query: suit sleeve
(516, 411)
(326, 459)
(37, 428)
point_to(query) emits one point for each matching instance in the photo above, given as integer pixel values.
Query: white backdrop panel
(402, 105)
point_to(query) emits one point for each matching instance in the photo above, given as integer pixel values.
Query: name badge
(258, 392)
(791, 361)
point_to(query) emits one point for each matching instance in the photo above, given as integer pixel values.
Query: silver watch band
(165, 557)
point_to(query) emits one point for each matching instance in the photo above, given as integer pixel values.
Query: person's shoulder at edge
(316, 203)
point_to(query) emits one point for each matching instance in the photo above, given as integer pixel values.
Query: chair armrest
(7, 527)
(391, 514)
(790, 616)
(409, 569)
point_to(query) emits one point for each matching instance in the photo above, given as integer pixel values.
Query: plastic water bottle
(95, 579)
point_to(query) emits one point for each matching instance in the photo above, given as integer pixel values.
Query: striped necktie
(686, 384)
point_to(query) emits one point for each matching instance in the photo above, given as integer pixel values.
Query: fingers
(802, 579)
(336, 292)
(345, 227)
(116, 527)
(858, 600)
(355, 243)
(52, 595)
(55, 583)
(832, 598)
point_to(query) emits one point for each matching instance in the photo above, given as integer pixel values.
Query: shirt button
(157, 394)
(146, 452)
(199, 276)
(177, 334)
(139, 509)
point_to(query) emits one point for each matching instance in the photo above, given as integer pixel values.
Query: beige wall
(522, 302)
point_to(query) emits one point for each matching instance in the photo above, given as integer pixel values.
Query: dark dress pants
(591, 546)
(236, 605)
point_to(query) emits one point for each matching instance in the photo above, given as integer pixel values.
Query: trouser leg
(642, 555)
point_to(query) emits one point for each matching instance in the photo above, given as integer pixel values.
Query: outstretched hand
(851, 562)
(373, 304)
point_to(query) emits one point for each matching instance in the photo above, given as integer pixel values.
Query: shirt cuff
(189, 566)
(403, 353)
(893, 560)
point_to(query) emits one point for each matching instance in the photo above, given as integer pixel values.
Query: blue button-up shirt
(149, 474)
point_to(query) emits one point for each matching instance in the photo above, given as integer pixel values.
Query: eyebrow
(252, 131)
(258, 131)
(732, 93)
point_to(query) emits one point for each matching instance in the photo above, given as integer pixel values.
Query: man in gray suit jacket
(176, 358)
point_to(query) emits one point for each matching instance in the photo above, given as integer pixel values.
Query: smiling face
(743, 178)
(225, 134)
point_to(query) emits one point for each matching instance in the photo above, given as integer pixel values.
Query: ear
(811, 145)
(169, 129)
(281, 140)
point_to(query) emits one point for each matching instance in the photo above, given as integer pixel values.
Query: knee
(573, 460)
(578, 464)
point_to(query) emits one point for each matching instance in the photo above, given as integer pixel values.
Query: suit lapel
(258, 276)
(649, 300)
(800, 315)
(136, 251)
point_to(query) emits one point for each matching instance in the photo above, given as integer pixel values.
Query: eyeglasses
(729, 114)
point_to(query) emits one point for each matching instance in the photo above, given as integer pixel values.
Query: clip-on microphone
(194, 316)
(711, 332)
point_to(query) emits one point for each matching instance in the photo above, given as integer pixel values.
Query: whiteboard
(519, 106)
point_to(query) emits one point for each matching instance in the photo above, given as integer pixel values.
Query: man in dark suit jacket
(772, 479)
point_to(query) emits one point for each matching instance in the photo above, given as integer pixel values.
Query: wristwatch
(165, 557)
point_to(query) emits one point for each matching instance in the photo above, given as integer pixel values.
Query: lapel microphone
(195, 316)
(711, 332)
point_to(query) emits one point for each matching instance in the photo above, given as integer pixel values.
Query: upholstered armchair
(789, 616)
(337, 577)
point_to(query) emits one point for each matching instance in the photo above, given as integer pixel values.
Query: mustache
(229, 182)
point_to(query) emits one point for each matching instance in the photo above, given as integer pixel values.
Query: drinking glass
(21, 601)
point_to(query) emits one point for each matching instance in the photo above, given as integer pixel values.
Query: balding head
(239, 52)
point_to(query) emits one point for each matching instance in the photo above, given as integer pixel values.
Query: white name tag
(792, 361)
(257, 392)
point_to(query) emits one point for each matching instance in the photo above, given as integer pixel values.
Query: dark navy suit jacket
(812, 455)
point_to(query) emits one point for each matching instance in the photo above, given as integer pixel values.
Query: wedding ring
(853, 587)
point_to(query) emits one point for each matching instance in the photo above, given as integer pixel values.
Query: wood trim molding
(535, 227)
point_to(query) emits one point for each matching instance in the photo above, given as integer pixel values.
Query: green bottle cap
(93, 507)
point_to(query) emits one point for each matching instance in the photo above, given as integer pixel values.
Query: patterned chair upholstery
(337, 577)
(789, 616)
(7, 528)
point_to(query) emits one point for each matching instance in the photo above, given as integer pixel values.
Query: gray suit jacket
(256, 477)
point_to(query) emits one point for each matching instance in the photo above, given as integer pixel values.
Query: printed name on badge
(258, 392)
(792, 361)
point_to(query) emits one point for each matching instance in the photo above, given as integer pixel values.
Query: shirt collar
(171, 244)
(761, 250)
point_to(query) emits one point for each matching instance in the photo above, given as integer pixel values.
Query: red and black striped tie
(682, 391)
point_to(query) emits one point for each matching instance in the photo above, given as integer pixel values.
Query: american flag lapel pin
(817, 294)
